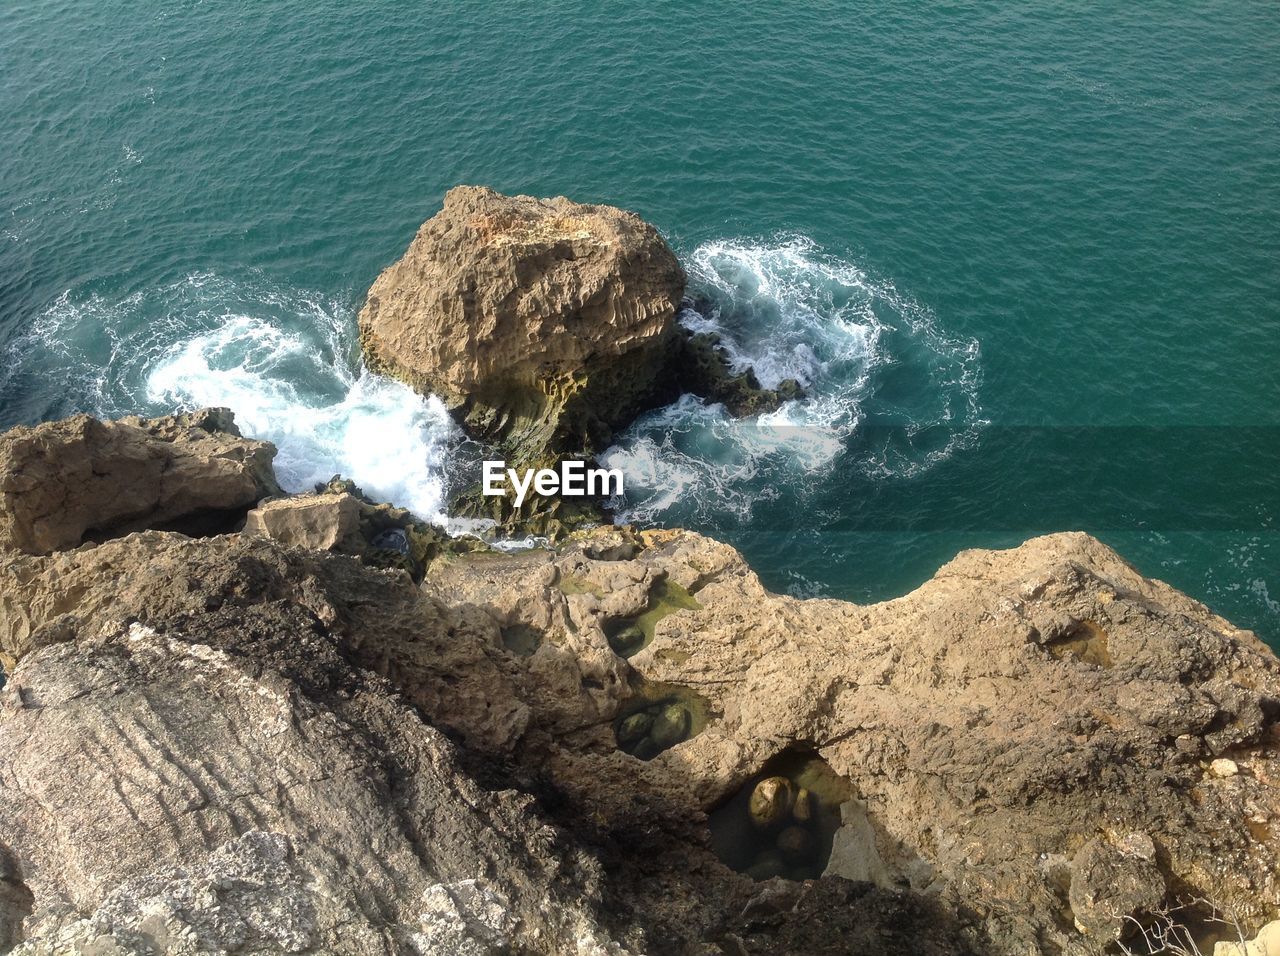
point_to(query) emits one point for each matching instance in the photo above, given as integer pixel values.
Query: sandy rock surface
(544, 321)
(61, 482)
(254, 744)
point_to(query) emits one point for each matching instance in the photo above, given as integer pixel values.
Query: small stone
(628, 639)
(1266, 943)
(802, 810)
(794, 842)
(768, 865)
(670, 726)
(1222, 767)
(771, 801)
(634, 727)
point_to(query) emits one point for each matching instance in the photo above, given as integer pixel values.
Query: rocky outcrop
(1029, 736)
(339, 517)
(544, 322)
(316, 522)
(290, 751)
(545, 325)
(63, 482)
(255, 743)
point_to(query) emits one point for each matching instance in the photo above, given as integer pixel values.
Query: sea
(1024, 258)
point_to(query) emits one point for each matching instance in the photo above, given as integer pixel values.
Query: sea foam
(286, 361)
(789, 311)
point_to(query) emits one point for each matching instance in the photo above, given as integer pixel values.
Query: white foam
(379, 433)
(285, 361)
(788, 311)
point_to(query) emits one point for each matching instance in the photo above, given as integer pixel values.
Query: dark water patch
(628, 636)
(783, 820)
(522, 639)
(1085, 642)
(662, 716)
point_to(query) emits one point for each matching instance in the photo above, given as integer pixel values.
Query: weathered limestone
(62, 482)
(544, 322)
(546, 325)
(1037, 743)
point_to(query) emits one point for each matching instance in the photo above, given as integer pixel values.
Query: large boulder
(65, 482)
(543, 322)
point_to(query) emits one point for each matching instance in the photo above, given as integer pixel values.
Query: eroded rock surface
(545, 325)
(252, 745)
(291, 751)
(1029, 732)
(544, 321)
(61, 482)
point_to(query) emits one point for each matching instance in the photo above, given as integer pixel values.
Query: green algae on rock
(629, 636)
(545, 326)
(658, 718)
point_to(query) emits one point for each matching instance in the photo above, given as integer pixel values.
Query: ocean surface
(1025, 258)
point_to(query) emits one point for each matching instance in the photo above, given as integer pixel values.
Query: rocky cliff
(63, 482)
(271, 741)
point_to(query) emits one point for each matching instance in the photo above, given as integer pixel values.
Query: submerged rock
(670, 726)
(771, 801)
(628, 640)
(633, 728)
(795, 842)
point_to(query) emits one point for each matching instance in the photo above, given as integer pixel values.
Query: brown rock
(64, 482)
(794, 842)
(771, 801)
(320, 522)
(1001, 762)
(1115, 884)
(542, 321)
(254, 764)
(982, 746)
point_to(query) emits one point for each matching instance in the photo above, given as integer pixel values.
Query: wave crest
(285, 361)
(866, 355)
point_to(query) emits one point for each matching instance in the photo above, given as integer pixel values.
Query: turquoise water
(1027, 257)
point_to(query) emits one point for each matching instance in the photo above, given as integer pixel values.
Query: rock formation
(64, 481)
(545, 322)
(254, 743)
(338, 517)
(545, 325)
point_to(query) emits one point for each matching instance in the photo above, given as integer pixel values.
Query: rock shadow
(783, 821)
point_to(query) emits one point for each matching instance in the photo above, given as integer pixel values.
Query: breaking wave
(285, 361)
(867, 356)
